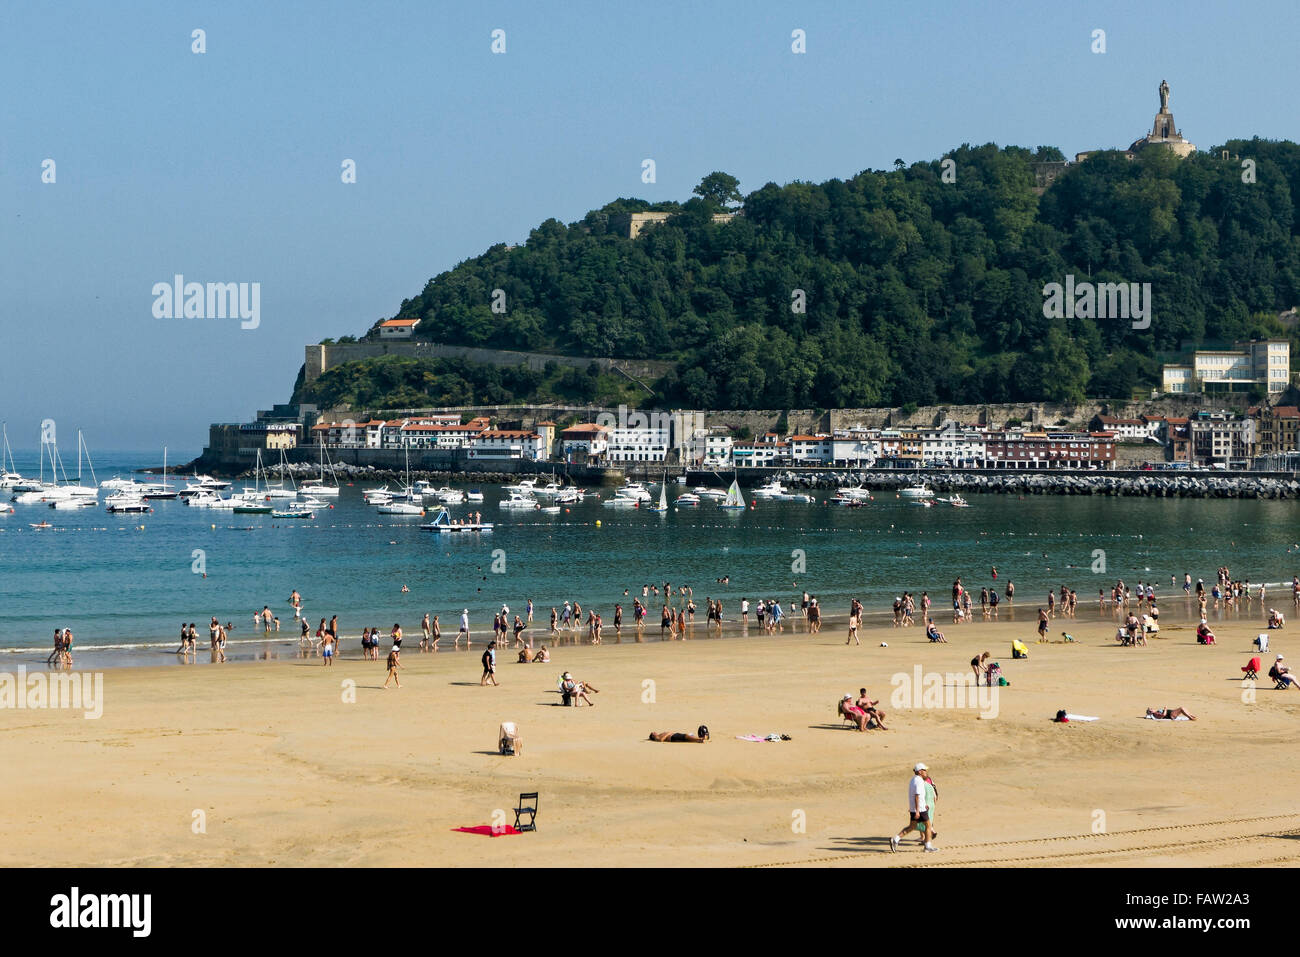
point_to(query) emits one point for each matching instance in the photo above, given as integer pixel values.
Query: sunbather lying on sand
(701, 735)
(1170, 714)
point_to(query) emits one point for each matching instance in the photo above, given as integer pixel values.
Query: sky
(227, 165)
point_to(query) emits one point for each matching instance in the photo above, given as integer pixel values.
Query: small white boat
(449, 496)
(771, 489)
(474, 495)
(518, 499)
(549, 509)
(117, 484)
(73, 501)
(704, 491)
(958, 502)
(377, 496)
(621, 501)
(311, 503)
(636, 491)
(687, 500)
(126, 502)
(916, 491)
(400, 508)
(293, 513)
(315, 488)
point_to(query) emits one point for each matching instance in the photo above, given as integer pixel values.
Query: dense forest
(919, 287)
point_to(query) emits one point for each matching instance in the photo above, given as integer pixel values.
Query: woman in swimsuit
(855, 714)
(977, 665)
(396, 635)
(1169, 714)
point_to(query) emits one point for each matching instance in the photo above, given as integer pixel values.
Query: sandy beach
(266, 763)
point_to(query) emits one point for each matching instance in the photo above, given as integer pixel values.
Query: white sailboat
(735, 499)
(317, 488)
(409, 502)
(163, 491)
(663, 496)
(9, 476)
(277, 489)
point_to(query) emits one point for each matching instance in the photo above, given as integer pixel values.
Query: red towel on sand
(489, 830)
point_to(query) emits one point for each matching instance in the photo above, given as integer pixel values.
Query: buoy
(213, 527)
(598, 523)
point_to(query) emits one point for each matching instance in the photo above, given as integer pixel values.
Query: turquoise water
(125, 583)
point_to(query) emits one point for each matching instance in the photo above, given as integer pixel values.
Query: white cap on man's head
(919, 768)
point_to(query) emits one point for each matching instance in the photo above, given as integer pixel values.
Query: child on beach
(394, 663)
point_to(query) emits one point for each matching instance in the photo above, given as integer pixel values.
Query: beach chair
(508, 739)
(839, 709)
(529, 809)
(1251, 670)
(1261, 642)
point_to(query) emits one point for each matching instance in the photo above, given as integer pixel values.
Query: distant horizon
(457, 151)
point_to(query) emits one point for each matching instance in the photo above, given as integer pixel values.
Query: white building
(953, 443)
(811, 449)
(855, 447)
(586, 438)
(397, 328)
(1264, 363)
(717, 451)
(638, 445)
(507, 444)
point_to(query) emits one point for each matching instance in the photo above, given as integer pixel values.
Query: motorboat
(958, 502)
(126, 502)
(705, 491)
(73, 501)
(519, 499)
(687, 500)
(916, 491)
(474, 495)
(250, 507)
(377, 496)
(635, 490)
(400, 508)
(771, 489)
(449, 496)
(293, 512)
(621, 501)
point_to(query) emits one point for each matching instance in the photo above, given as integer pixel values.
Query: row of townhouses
(1265, 436)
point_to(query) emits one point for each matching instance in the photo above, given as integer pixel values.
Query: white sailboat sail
(734, 497)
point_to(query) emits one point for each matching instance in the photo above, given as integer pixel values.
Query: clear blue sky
(225, 166)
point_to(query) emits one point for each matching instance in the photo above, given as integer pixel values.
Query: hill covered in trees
(916, 289)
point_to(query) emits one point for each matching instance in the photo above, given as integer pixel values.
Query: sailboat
(9, 476)
(163, 491)
(734, 500)
(316, 488)
(69, 495)
(663, 496)
(409, 507)
(278, 490)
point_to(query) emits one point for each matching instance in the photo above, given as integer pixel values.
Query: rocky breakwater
(1153, 485)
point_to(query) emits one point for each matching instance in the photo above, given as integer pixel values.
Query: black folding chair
(529, 809)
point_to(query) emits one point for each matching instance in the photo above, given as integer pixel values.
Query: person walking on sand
(489, 665)
(917, 808)
(854, 608)
(436, 634)
(464, 628)
(394, 663)
(424, 627)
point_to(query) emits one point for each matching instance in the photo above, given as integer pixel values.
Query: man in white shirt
(744, 611)
(918, 810)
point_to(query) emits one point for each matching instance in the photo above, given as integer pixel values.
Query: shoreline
(1176, 615)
